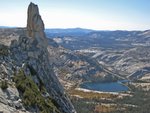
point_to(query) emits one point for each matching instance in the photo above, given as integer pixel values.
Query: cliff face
(35, 25)
(34, 22)
(27, 80)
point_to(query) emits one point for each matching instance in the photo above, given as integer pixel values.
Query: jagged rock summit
(35, 24)
(27, 79)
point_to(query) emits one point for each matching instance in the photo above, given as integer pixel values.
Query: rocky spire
(35, 30)
(35, 25)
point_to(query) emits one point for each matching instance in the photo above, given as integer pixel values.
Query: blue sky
(92, 14)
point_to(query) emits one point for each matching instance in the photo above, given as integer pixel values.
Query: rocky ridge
(29, 54)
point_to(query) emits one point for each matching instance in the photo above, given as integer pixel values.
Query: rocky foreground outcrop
(28, 82)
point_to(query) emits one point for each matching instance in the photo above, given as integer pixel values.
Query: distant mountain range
(69, 31)
(3, 27)
(59, 30)
(8, 27)
(53, 32)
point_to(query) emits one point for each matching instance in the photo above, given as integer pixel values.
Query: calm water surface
(106, 87)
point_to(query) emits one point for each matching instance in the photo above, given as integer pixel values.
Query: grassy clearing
(92, 95)
(105, 108)
(91, 101)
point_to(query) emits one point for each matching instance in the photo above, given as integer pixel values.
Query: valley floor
(135, 101)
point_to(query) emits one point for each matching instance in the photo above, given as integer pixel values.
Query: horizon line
(79, 28)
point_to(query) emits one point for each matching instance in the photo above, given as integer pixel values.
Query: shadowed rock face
(35, 25)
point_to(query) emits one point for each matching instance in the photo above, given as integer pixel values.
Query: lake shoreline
(102, 92)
